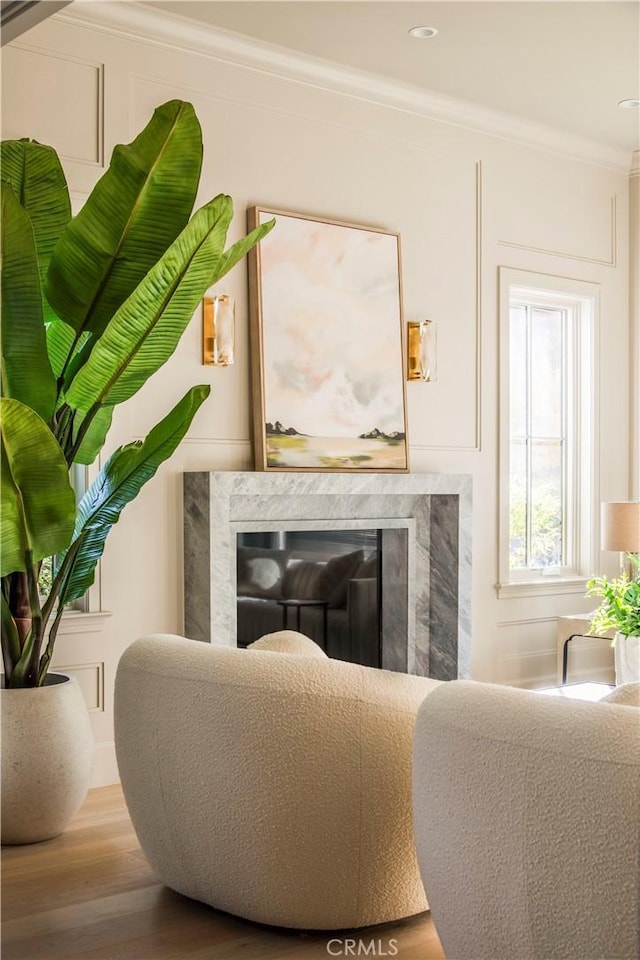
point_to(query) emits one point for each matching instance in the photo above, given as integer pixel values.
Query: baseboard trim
(105, 766)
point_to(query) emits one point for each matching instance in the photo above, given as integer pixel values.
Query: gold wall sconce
(422, 357)
(218, 330)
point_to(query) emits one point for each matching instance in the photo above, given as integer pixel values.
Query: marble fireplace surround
(426, 548)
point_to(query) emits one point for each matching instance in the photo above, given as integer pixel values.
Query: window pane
(49, 566)
(518, 505)
(546, 373)
(518, 370)
(45, 577)
(546, 504)
(547, 440)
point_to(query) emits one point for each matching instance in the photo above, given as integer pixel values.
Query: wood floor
(90, 894)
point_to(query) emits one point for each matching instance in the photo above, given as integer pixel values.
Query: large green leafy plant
(92, 306)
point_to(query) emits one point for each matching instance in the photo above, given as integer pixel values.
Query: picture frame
(327, 352)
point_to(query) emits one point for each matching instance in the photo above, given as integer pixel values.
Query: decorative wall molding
(531, 655)
(526, 621)
(478, 291)
(612, 261)
(98, 159)
(94, 682)
(479, 235)
(217, 441)
(78, 199)
(79, 622)
(139, 23)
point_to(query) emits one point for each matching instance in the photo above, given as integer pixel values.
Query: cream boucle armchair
(272, 783)
(527, 813)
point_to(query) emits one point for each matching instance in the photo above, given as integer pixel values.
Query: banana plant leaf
(146, 329)
(94, 438)
(60, 340)
(26, 372)
(235, 253)
(78, 357)
(117, 484)
(37, 502)
(36, 175)
(135, 211)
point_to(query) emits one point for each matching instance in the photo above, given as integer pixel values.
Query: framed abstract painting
(326, 346)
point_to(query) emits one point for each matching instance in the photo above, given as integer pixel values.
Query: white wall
(465, 203)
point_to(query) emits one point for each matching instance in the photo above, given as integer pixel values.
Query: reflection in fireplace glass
(324, 583)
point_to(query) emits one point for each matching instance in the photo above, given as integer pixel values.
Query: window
(79, 478)
(547, 414)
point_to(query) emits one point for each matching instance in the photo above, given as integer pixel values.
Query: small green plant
(620, 607)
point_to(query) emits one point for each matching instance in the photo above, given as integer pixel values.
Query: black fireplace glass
(324, 583)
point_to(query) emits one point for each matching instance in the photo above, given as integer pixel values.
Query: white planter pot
(47, 758)
(626, 658)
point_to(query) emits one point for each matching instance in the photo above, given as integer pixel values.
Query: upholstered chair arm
(272, 785)
(527, 816)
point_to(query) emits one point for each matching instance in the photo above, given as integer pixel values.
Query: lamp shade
(620, 526)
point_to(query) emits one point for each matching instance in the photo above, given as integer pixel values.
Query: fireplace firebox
(326, 584)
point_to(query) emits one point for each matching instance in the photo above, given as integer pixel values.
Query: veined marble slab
(432, 633)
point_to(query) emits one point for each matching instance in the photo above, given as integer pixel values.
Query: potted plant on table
(93, 305)
(620, 611)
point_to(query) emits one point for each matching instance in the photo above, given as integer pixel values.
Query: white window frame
(580, 299)
(79, 612)
(90, 602)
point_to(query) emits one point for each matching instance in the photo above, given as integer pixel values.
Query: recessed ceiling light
(423, 33)
(629, 104)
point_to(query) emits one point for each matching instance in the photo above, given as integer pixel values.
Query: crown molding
(635, 164)
(137, 22)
